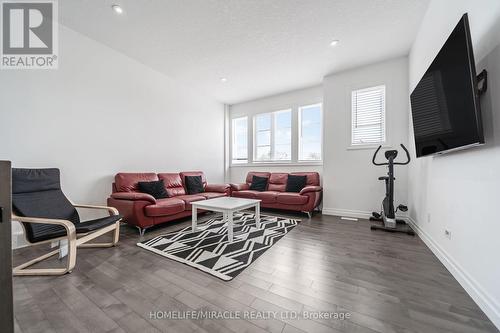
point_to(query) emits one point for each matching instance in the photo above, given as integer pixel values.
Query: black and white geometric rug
(209, 250)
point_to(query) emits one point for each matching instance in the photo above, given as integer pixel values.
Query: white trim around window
(368, 123)
(301, 135)
(269, 134)
(239, 150)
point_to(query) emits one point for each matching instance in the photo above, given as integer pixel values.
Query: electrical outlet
(447, 233)
(428, 217)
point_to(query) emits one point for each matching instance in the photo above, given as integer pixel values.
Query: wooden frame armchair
(47, 216)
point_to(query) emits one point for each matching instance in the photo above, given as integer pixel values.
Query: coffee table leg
(194, 216)
(230, 226)
(257, 215)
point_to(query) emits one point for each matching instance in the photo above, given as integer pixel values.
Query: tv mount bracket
(482, 77)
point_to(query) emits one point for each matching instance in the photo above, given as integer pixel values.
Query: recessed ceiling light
(334, 42)
(117, 9)
(223, 79)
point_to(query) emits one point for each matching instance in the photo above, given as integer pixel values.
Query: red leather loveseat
(275, 196)
(143, 210)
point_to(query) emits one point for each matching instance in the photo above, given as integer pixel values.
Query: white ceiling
(262, 47)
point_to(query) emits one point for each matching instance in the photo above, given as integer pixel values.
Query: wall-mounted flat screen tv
(445, 103)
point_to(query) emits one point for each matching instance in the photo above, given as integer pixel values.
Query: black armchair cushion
(50, 231)
(93, 225)
(37, 193)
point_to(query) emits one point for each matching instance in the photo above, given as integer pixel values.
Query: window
(263, 137)
(283, 135)
(240, 140)
(310, 133)
(273, 136)
(287, 136)
(368, 116)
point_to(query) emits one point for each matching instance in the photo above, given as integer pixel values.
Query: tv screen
(445, 105)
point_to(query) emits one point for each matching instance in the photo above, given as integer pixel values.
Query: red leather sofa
(275, 196)
(143, 210)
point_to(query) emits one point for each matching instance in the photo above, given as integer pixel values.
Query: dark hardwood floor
(386, 282)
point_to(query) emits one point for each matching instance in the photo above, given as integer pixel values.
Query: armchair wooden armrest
(112, 210)
(68, 225)
(72, 244)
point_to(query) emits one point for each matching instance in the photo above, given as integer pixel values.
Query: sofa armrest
(133, 196)
(311, 189)
(221, 188)
(240, 187)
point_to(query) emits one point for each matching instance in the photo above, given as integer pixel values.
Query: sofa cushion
(312, 177)
(173, 183)
(267, 196)
(249, 194)
(295, 183)
(193, 173)
(127, 182)
(289, 198)
(254, 173)
(188, 198)
(211, 195)
(194, 184)
(277, 181)
(259, 183)
(155, 188)
(163, 207)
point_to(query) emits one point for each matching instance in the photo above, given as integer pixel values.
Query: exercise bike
(388, 214)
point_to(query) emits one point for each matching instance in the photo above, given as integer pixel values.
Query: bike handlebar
(375, 156)
(407, 156)
(395, 163)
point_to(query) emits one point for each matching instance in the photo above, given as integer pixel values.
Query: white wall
(292, 99)
(460, 191)
(101, 113)
(350, 180)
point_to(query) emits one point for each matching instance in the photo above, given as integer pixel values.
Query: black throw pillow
(259, 183)
(155, 188)
(194, 184)
(295, 183)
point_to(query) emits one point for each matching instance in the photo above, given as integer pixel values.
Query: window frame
(299, 132)
(254, 136)
(272, 134)
(233, 137)
(369, 145)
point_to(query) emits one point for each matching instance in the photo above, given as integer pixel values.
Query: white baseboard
(346, 212)
(490, 306)
(360, 214)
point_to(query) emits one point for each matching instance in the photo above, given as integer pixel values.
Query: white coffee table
(227, 206)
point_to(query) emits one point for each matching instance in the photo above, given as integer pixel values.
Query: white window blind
(368, 116)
